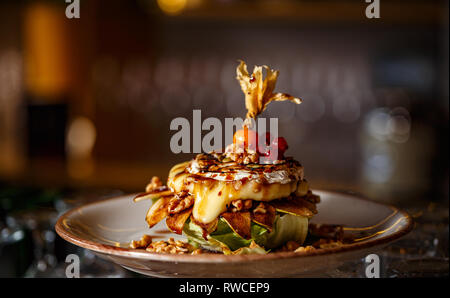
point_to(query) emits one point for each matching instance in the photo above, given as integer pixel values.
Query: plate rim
(219, 258)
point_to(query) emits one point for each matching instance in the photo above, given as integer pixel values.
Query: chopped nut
(237, 204)
(241, 155)
(292, 245)
(327, 243)
(171, 246)
(180, 203)
(240, 205)
(143, 243)
(197, 251)
(261, 208)
(237, 184)
(295, 247)
(248, 204)
(289, 246)
(308, 248)
(154, 183)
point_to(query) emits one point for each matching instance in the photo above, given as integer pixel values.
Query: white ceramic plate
(106, 227)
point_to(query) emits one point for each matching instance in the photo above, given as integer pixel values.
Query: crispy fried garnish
(258, 91)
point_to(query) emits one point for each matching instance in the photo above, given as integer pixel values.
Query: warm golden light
(81, 137)
(172, 7)
(46, 50)
(80, 141)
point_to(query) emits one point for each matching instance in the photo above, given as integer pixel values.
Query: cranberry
(266, 156)
(281, 144)
(264, 141)
(264, 150)
(268, 138)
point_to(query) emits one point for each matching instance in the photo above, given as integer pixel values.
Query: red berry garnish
(264, 141)
(268, 138)
(264, 150)
(281, 145)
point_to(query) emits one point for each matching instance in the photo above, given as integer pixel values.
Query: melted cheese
(282, 175)
(213, 196)
(212, 200)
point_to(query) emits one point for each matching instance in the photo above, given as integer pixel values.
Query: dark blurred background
(85, 104)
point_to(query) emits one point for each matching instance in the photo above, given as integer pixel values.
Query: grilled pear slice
(158, 211)
(239, 222)
(175, 222)
(207, 228)
(158, 192)
(267, 218)
(297, 206)
(310, 197)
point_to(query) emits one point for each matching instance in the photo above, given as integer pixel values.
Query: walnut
(171, 246)
(240, 205)
(237, 184)
(241, 155)
(289, 246)
(261, 208)
(251, 158)
(203, 164)
(178, 204)
(292, 245)
(295, 247)
(327, 243)
(308, 248)
(198, 251)
(154, 183)
(143, 243)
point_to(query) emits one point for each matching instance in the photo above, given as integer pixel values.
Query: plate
(107, 227)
